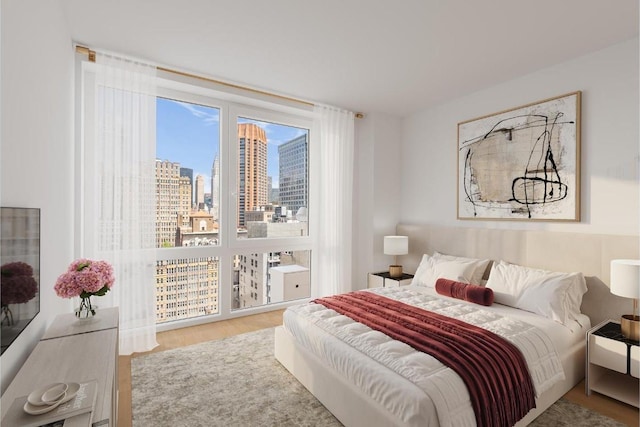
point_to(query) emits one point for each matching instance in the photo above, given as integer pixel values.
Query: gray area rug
(566, 414)
(237, 381)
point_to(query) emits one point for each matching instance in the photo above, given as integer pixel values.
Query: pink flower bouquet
(85, 278)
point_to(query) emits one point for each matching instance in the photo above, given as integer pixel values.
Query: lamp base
(395, 271)
(630, 326)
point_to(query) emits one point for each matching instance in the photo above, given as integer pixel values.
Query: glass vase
(7, 316)
(86, 310)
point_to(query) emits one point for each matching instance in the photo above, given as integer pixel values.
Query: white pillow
(426, 263)
(555, 295)
(576, 292)
(431, 269)
(478, 272)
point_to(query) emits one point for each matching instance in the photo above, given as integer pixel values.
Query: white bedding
(414, 386)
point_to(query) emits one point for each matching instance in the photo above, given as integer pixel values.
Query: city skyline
(188, 144)
(189, 134)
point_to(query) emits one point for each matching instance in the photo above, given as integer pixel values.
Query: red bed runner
(492, 368)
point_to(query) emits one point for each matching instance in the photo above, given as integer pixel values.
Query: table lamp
(625, 282)
(396, 245)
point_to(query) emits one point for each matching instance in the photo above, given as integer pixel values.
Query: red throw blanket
(492, 368)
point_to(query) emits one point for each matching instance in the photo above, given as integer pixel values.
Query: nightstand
(613, 363)
(383, 280)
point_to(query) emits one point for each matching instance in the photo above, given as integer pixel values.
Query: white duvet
(412, 385)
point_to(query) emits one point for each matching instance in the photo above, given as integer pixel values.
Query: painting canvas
(523, 163)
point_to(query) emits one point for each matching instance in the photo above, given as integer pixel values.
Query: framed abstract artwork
(523, 163)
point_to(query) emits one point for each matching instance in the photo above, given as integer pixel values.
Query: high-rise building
(167, 201)
(185, 200)
(252, 281)
(252, 175)
(186, 288)
(215, 188)
(199, 192)
(188, 172)
(274, 193)
(293, 173)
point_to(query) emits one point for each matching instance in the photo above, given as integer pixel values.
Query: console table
(75, 351)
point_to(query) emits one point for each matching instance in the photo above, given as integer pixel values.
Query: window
(232, 191)
(273, 180)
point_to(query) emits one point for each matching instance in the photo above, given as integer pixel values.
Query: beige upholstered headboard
(590, 254)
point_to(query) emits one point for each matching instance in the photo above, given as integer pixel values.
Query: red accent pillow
(465, 291)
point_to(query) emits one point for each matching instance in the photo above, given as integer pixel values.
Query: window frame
(232, 103)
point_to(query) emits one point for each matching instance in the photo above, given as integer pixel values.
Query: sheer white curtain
(335, 187)
(119, 189)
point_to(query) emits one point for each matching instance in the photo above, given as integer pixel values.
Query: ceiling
(396, 57)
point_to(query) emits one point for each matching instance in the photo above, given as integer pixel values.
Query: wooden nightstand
(613, 363)
(383, 280)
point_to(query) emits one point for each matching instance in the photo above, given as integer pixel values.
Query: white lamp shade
(396, 245)
(625, 277)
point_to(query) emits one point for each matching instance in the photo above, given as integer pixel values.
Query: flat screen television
(19, 271)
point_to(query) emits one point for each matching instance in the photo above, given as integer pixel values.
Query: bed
(369, 383)
(331, 368)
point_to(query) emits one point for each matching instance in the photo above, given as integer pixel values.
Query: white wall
(376, 193)
(36, 147)
(608, 80)
(406, 169)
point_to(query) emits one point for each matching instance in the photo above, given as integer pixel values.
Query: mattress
(413, 386)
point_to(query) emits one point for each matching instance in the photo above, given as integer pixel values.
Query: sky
(190, 135)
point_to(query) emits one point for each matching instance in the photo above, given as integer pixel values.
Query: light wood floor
(182, 337)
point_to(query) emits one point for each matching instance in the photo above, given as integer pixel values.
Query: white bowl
(55, 393)
(35, 397)
(37, 410)
(35, 406)
(71, 392)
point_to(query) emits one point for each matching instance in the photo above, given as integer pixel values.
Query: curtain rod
(91, 54)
